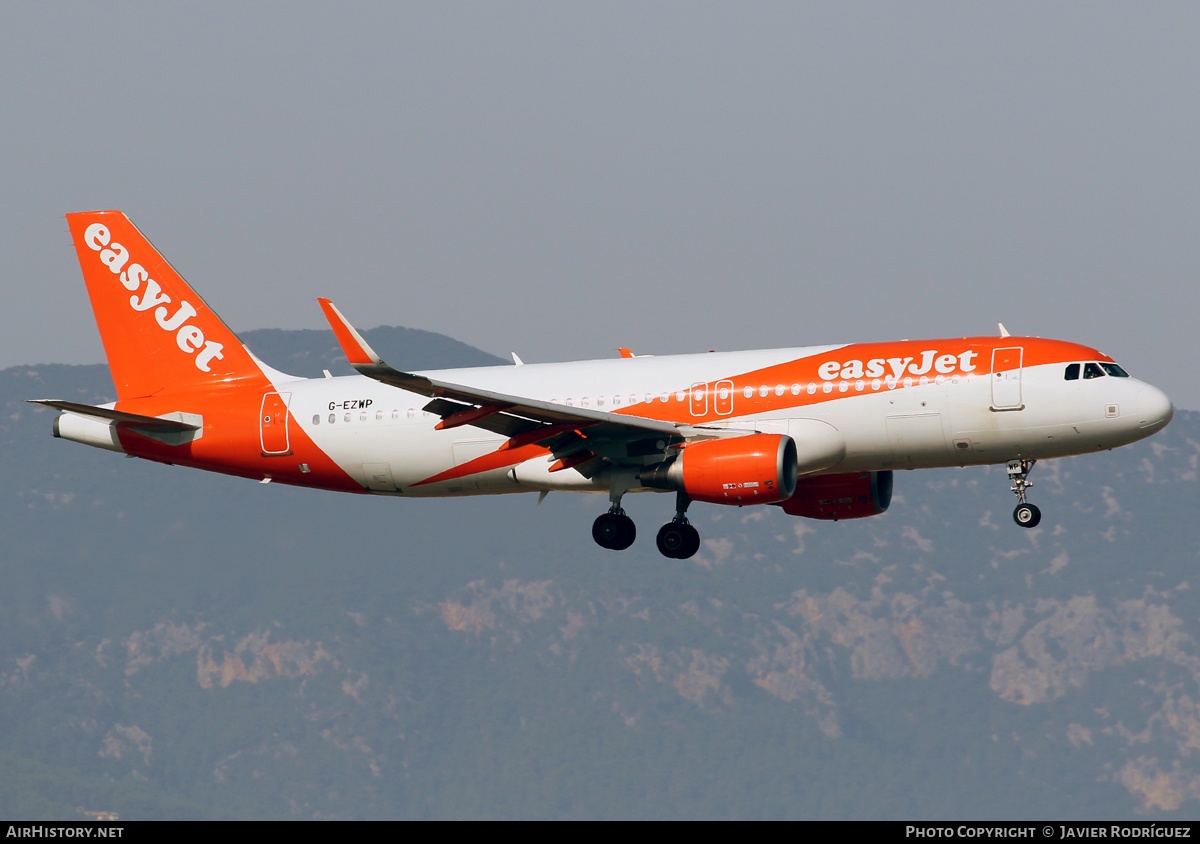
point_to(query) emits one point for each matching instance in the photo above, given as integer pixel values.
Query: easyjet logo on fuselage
(188, 337)
(930, 360)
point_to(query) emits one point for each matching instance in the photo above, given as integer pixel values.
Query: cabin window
(1092, 370)
(812, 388)
(748, 392)
(1072, 373)
(317, 419)
(332, 418)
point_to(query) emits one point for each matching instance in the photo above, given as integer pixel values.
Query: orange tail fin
(158, 334)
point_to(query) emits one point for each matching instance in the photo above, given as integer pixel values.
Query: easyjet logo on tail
(148, 294)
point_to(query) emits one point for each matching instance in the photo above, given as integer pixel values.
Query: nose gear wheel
(1026, 515)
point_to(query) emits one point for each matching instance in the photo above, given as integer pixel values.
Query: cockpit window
(1072, 373)
(1114, 370)
(1092, 370)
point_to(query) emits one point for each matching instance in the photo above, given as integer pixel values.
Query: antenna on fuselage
(1003, 330)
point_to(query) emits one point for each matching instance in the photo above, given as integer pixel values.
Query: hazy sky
(562, 178)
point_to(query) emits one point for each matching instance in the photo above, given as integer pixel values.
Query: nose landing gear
(1026, 515)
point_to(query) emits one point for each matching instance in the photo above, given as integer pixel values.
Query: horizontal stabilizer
(154, 423)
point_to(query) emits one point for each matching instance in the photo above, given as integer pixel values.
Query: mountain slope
(278, 652)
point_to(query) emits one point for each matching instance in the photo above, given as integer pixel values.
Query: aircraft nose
(1154, 409)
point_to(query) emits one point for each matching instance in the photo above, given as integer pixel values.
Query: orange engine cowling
(851, 496)
(755, 469)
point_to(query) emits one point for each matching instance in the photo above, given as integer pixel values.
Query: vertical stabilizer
(158, 334)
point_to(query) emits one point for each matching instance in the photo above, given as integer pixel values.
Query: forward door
(1006, 379)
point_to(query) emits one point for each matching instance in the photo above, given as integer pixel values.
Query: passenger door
(1006, 379)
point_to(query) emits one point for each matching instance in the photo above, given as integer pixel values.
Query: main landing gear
(614, 530)
(1026, 515)
(676, 539)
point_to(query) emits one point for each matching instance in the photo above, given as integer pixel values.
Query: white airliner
(817, 430)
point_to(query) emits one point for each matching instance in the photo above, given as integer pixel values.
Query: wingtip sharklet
(357, 350)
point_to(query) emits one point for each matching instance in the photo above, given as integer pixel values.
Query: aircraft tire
(692, 545)
(1027, 515)
(670, 540)
(614, 531)
(678, 541)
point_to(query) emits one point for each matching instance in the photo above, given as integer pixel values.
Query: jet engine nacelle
(851, 496)
(754, 469)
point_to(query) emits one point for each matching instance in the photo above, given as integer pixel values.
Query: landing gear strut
(614, 530)
(677, 539)
(1026, 515)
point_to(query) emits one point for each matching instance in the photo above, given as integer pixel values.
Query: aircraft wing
(500, 412)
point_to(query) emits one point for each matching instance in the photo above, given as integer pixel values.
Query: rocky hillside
(176, 644)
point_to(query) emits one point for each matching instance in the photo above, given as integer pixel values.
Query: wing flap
(497, 422)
